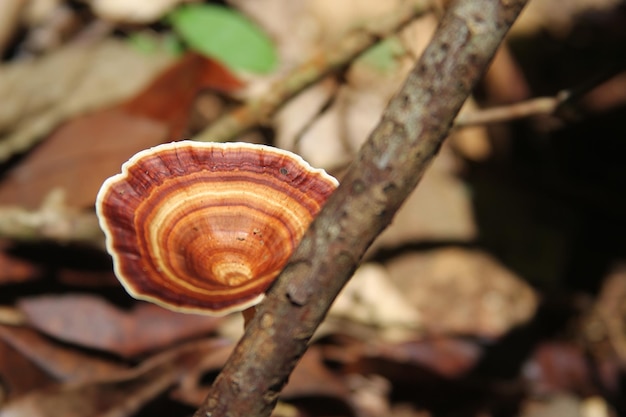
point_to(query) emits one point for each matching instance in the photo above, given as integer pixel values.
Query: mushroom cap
(207, 227)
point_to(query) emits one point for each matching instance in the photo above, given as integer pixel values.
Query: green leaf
(383, 57)
(224, 34)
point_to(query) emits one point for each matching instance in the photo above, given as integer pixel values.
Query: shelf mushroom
(206, 227)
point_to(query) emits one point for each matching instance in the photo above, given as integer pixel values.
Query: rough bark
(383, 174)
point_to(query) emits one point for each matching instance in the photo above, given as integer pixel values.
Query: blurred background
(499, 289)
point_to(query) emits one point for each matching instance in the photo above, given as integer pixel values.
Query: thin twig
(383, 174)
(53, 221)
(259, 110)
(533, 107)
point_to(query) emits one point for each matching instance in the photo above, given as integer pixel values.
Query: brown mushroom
(207, 227)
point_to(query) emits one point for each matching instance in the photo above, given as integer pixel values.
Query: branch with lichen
(258, 110)
(383, 174)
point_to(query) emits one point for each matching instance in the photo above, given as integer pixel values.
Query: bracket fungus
(207, 227)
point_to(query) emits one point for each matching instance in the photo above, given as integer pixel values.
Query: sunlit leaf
(225, 35)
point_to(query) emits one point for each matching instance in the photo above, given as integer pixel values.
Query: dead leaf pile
(488, 295)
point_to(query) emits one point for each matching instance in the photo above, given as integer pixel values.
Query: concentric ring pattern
(207, 227)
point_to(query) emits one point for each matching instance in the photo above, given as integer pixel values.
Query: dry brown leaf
(463, 291)
(337, 18)
(192, 388)
(119, 396)
(605, 326)
(290, 25)
(372, 299)
(440, 209)
(558, 367)
(312, 378)
(136, 11)
(445, 356)
(11, 316)
(557, 16)
(102, 326)
(595, 406)
(304, 28)
(79, 157)
(38, 11)
(561, 404)
(81, 154)
(10, 11)
(434, 373)
(71, 81)
(60, 362)
(371, 394)
(81, 278)
(14, 270)
(293, 119)
(309, 378)
(18, 375)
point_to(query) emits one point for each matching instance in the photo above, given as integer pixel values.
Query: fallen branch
(383, 174)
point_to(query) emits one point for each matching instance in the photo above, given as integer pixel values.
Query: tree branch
(385, 171)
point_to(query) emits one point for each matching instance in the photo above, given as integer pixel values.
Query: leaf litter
(440, 319)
